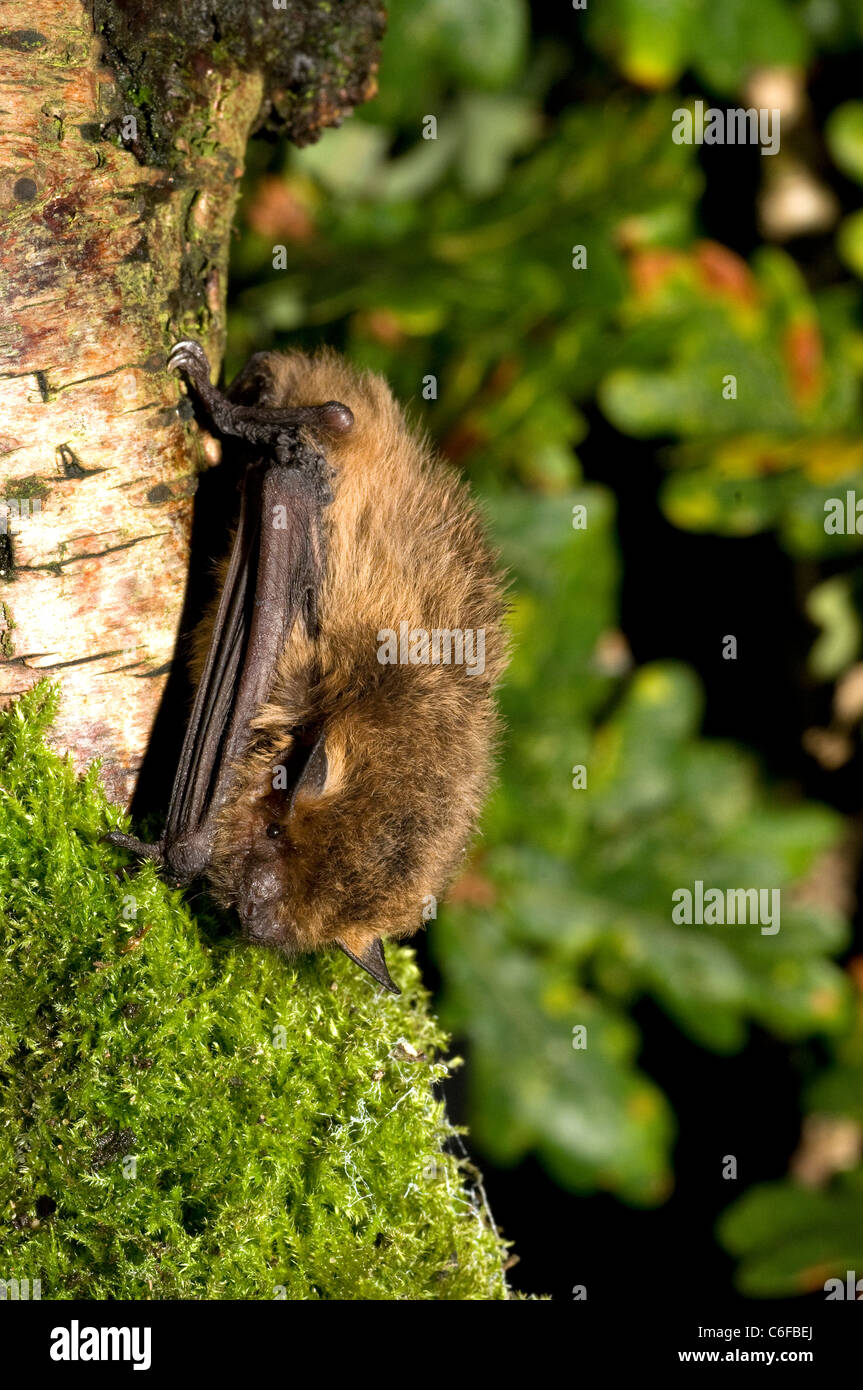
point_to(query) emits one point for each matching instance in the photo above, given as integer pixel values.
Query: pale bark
(105, 260)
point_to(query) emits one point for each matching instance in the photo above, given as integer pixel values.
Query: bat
(342, 734)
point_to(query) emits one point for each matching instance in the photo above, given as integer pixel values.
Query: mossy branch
(182, 1116)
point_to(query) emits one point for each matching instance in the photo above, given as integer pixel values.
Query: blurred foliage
(474, 287)
(565, 915)
(435, 238)
(654, 42)
(789, 438)
(790, 1237)
(459, 250)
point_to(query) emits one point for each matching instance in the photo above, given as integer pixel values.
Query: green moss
(7, 627)
(185, 1117)
(17, 489)
(139, 96)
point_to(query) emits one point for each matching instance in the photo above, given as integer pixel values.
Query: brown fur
(409, 747)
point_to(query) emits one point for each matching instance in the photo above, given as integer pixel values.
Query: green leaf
(483, 43)
(844, 135)
(830, 606)
(654, 41)
(431, 44)
(733, 39)
(850, 242)
(650, 40)
(591, 1118)
(791, 1239)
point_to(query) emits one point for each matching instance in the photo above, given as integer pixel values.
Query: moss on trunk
(185, 1117)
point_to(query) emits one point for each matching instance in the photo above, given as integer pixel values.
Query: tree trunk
(121, 147)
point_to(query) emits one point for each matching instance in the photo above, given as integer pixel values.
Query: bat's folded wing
(274, 572)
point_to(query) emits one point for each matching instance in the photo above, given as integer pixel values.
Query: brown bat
(340, 742)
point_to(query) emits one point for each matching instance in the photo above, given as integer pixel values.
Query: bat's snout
(258, 904)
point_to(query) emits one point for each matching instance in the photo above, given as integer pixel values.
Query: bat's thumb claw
(336, 418)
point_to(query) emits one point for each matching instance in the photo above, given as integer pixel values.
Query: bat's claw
(186, 347)
(190, 359)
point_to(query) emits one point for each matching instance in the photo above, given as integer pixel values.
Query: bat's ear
(371, 957)
(313, 778)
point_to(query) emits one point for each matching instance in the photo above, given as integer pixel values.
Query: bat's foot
(190, 360)
(136, 847)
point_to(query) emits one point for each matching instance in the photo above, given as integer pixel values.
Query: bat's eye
(274, 830)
